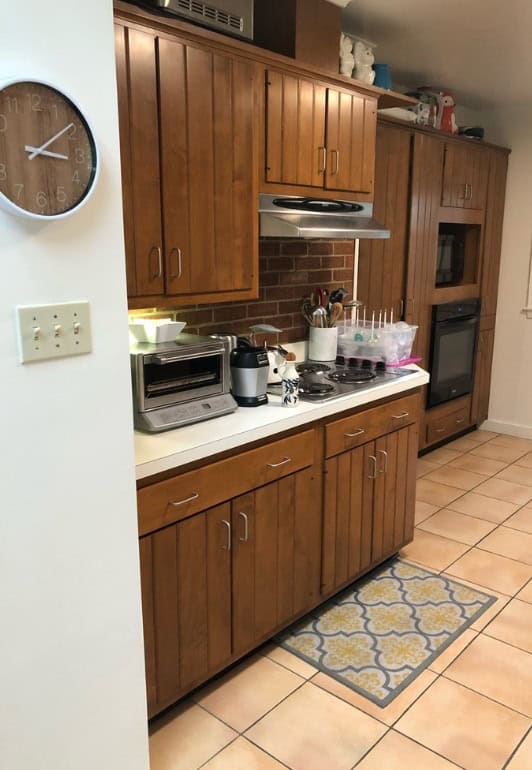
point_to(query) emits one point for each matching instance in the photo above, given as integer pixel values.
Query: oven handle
(458, 319)
(171, 358)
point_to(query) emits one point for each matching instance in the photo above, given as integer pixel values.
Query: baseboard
(510, 428)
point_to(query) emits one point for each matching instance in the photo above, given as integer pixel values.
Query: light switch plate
(53, 331)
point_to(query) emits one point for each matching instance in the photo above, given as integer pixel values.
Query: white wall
(511, 392)
(71, 663)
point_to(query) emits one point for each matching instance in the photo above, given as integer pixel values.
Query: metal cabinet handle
(373, 459)
(246, 527)
(283, 462)
(382, 452)
(324, 159)
(187, 500)
(439, 430)
(402, 310)
(228, 525)
(159, 252)
(400, 416)
(358, 432)
(336, 154)
(460, 420)
(179, 273)
(469, 192)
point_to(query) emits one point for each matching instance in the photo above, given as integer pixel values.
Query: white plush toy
(363, 63)
(347, 60)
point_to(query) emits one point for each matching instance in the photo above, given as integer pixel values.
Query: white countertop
(155, 453)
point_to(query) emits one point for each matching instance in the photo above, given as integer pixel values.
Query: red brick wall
(288, 271)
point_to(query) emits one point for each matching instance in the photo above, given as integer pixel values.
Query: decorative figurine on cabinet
(347, 60)
(364, 60)
(446, 116)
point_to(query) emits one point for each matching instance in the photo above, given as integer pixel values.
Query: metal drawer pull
(246, 528)
(460, 420)
(374, 461)
(187, 500)
(439, 430)
(283, 462)
(228, 525)
(324, 160)
(358, 432)
(385, 455)
(400, 416)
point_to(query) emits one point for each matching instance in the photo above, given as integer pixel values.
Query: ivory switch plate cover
(53, 331)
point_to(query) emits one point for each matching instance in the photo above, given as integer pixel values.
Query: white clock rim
(5, 203)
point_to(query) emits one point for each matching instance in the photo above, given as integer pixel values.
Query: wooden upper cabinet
(465, 176)
(491, 256)
(318, 137)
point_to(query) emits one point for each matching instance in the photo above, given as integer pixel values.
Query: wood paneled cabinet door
(189, 149)
(491, 254)
(465, 176)
(483, 365)
(317, 136)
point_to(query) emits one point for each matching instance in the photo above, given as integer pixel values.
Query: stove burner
(314, 387)
(351, 376)
(308, 367)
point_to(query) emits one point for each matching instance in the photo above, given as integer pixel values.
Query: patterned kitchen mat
(377, 635)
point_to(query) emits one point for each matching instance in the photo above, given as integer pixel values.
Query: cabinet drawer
(439, 428)
(168, 501)
(350, 432)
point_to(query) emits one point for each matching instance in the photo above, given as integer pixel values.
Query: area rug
(380, 633)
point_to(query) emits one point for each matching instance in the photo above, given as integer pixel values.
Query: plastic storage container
(390, 343)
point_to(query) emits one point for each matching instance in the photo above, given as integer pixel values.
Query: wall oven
(452, 351)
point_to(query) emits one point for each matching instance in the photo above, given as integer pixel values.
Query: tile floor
(471, 709)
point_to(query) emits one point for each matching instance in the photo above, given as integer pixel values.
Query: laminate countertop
(158, 452)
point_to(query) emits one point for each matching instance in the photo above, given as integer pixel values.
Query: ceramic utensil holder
(322, 343)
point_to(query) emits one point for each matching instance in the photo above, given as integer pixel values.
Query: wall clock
(49, 161)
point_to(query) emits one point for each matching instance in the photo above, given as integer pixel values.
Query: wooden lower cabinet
(483, 364)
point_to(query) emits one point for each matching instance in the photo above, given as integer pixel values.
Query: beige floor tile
(510, 543)
(186, 737)
(442, 456)
(482, 435)
(423, 467)
(457, 526)
(517, 474)
(389, 714)
(456, 477)
(496, 452)
(525, 594)
(513, 625)
(313, 730)
(492, 571)
(514, 442)
(480, 465)
(464, 444)
(433, 551)
(436, 494)
(496, 670)
(463, 726)
(505, 490)
(525, 461)
(397, 752)
(522, 520)
(424, 510)
(288, 660)
(447, 656)
(482, 507)
(242, 755)
(247, 692)
(522, 759)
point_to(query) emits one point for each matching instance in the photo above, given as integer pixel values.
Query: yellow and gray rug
(381, 632)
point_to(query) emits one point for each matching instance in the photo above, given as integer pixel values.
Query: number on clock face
(47, 153)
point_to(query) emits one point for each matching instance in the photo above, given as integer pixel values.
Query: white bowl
(157, 330)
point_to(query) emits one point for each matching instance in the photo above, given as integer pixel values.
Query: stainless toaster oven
(181, 382)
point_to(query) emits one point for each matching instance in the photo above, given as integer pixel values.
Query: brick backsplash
(288, 271)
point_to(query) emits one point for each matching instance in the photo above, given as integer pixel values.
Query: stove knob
(353, 363)
(340, 360)
(380, 366)
(366, 364)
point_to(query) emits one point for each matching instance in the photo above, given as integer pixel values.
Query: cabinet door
(387, 257)
(394, 495)
(295, 130)
(139, 148)
(348, 505)
(481, 390)
(209, 170)
(351, 131)
(276, 556)
(465, 176)
(186, 600)
(491, 256)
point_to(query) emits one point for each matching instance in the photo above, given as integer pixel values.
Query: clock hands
(40, 150)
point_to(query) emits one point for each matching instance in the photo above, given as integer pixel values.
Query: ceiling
(480, 50)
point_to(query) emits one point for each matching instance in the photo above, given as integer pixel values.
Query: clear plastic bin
(391, 343)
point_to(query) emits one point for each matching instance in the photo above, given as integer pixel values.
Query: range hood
(295, 217)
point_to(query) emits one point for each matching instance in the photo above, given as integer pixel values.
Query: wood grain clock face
(48, 157)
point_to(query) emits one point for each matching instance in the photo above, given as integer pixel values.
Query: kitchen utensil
(249, 374)
(319, 317)
(156, 330)
(335, 312)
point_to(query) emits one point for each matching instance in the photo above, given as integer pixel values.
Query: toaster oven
(181, 382)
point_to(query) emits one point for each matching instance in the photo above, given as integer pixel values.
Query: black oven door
(452, 368)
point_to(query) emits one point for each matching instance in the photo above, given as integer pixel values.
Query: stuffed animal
(446, 116)
(364, 60)
(347, 60)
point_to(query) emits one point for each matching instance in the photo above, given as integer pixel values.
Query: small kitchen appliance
(180, 382)
(249, 374)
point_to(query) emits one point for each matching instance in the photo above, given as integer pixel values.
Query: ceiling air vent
(234, 17)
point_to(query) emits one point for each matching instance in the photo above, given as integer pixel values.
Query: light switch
(53, 331)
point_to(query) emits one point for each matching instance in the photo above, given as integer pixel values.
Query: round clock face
(48, 158)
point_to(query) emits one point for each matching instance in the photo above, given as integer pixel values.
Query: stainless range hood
(295, 217)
